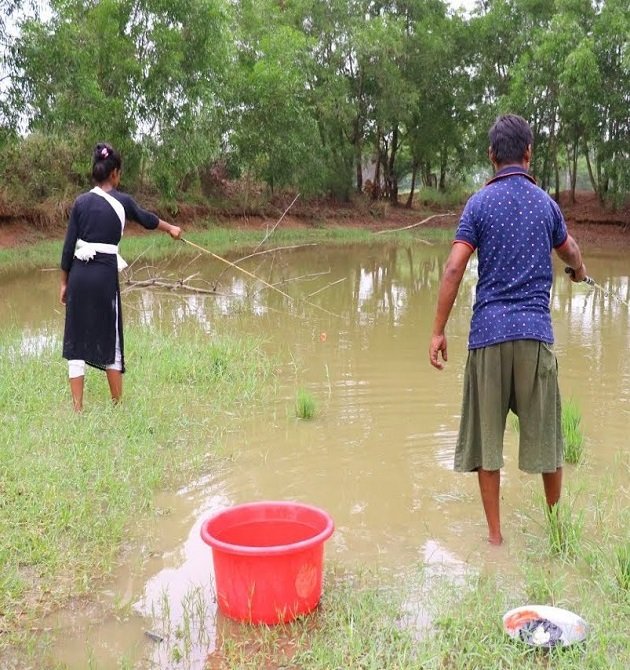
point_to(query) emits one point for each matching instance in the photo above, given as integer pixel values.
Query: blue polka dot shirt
(513, 225)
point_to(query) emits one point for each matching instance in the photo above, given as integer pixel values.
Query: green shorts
(522, 376)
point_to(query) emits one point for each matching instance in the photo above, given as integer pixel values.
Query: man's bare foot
(495, 540)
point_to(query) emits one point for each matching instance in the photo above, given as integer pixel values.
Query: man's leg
(540, 415)
(552, 481)
(489, 485)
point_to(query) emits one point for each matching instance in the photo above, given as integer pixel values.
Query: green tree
(134, 71)
(272, 129)
(610, 146)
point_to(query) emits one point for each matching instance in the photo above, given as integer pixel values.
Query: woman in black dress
(89, 275)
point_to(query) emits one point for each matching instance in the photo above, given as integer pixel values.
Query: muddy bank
(588, 221)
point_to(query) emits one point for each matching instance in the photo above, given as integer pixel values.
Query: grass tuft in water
(622, 567)
(305, 405)
(572, 432)
(564, 528)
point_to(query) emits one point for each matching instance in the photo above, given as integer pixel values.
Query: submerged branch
(178, 285)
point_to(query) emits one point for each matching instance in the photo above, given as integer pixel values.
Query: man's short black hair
(509, 138)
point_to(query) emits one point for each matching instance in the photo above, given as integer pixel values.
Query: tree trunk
(358, 155)
(414, 172)
(428, 176)
(393, 180)
(443, 163)
(573, 168)
(359, 173)
(376, 189)
(591, 174)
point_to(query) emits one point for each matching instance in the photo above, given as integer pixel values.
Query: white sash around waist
(85, 251)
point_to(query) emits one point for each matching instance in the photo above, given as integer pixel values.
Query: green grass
(454, 197)
(73, 487)
(366, 621)
(565, 529)
(305, 405)
(622, 567)
(219, 239)
(572, 432)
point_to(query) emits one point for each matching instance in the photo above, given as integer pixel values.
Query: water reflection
(378, 456)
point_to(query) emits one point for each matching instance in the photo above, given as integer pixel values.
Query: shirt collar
(511, 171)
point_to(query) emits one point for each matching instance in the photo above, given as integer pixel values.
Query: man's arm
(449, 286)
(569, 252)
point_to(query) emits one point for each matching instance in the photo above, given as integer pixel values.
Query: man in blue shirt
(513, 225)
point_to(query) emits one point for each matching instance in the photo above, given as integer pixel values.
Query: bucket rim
(274, 550)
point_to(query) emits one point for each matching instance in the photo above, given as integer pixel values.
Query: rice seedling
(572, 432)
(305, 405)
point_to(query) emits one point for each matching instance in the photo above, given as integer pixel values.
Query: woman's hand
(64, 287)
(175, 232)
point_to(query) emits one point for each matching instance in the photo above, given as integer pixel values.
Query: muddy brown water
(378, 454)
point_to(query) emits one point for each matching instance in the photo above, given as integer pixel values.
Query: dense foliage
(324, 96)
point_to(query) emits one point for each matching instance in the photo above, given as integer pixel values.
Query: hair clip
(104, 152)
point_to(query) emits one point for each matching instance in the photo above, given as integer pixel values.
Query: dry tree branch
(413, 225)
(178, 285)
(265, 238)
(270, 232)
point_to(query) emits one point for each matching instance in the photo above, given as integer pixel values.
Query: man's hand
(577, 275)
(62, 294)
(175, 232)
(438, 344)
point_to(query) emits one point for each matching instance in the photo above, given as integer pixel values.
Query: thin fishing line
(591, 282)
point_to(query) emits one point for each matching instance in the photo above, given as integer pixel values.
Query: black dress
(93, 294)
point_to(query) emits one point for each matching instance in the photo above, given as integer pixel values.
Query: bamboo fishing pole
(253, 276)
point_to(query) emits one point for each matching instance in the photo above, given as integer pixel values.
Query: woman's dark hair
(104, 161)
(509, 138)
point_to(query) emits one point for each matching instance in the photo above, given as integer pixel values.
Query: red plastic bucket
(268, 559)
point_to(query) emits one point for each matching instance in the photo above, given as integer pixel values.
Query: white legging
(76, 367)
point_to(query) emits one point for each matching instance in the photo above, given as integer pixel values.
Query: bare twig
(307, 277)
(137, 258)
(270, 251)
(413, 225)
(270, 232)
(265, 238)
(259, 279)
(324, 288)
